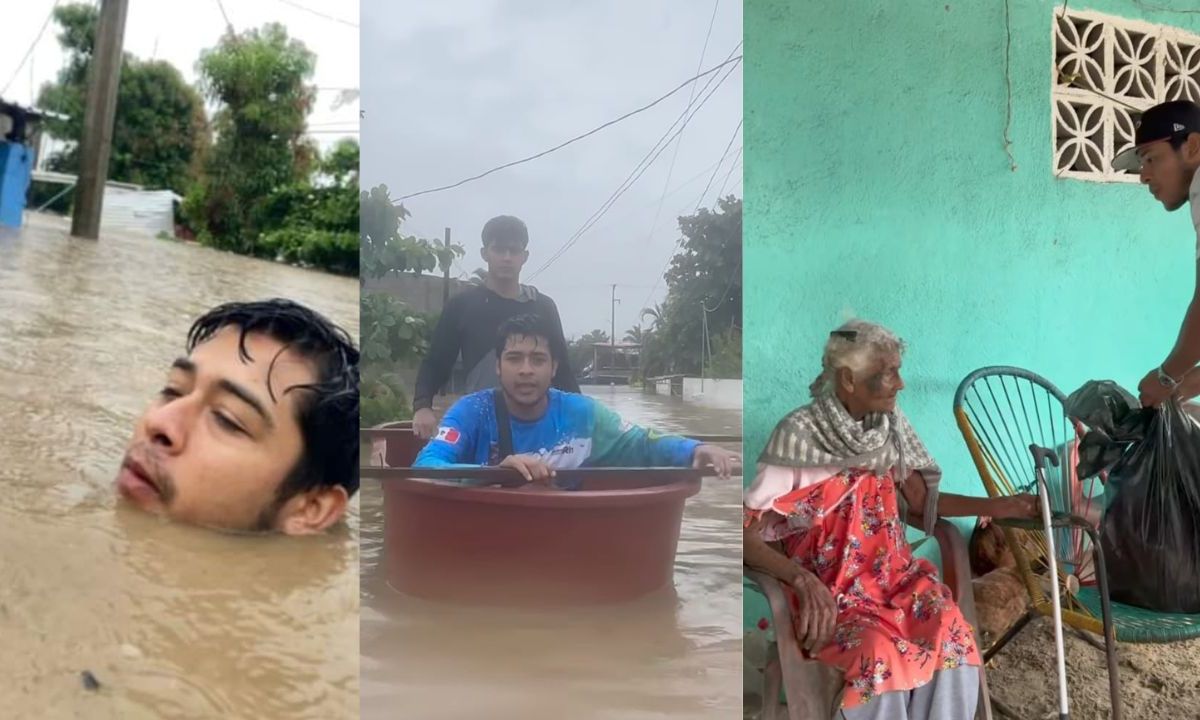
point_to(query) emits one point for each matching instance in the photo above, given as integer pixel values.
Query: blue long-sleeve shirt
(575, 431)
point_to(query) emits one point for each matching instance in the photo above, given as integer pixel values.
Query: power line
(644, 164)
(29, 52)
(729, 174)
(318, 13)
(679, 243)
(728, 145)
(679, 142)
(725, 292)
(678, 188)
(633, 177)
(575, 139)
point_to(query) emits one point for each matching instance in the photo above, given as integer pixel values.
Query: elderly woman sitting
(826, 515)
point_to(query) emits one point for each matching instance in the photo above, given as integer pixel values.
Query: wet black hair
(525, 326)
(328, 411)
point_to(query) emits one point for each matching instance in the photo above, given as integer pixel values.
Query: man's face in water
(214, 448)
(1168, 171)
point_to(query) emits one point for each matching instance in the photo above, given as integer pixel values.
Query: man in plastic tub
(534, 429)
(469, 322)
(255, 428)
(1166, 154)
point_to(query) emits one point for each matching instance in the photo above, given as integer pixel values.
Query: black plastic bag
(1150, 531)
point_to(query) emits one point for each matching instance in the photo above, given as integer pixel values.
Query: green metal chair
(1001, 411)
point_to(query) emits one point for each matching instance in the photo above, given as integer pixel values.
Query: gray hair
(854, 346)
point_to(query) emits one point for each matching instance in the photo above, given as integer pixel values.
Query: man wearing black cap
(472, 318)
(1166, 154)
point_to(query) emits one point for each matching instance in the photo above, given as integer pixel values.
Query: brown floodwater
(677, 656)
(174, 622)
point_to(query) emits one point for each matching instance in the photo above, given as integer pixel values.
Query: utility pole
(95, 146)
(612, 352)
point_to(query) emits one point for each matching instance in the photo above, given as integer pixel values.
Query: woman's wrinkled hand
(817, 618)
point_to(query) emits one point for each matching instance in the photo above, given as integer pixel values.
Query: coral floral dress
(897, 624)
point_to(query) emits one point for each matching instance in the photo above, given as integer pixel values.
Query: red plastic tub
(611, 542)
(395, 443)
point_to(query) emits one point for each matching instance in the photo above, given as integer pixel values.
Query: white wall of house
(719, 394)
(143, 212)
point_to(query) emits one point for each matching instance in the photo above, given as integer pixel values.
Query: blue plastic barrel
(16, 168)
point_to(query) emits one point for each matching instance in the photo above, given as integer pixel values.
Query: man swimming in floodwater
(548, 429)
(256, 428)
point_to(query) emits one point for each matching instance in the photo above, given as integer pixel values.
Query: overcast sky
(177, 30)
(453, 89)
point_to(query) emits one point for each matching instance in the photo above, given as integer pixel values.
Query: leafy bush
(383, 398)
(335, 252)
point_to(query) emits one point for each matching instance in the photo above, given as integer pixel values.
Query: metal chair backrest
(1001, 411)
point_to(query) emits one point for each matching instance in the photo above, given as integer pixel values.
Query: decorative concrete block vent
(1106, 71)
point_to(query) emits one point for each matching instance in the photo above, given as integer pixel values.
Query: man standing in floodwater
(1166, 154)
(470, 320)
(255, 429)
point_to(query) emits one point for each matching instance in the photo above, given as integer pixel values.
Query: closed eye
(228, 424)
(169, 393)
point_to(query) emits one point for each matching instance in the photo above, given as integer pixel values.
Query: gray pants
(950, 695)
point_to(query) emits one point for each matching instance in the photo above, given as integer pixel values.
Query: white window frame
(1088, 129)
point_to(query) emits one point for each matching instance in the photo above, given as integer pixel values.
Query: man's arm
(617, 443)
(438, 363)
(1183, 358)
(564, 378)
(454, 442)
(1186, 353)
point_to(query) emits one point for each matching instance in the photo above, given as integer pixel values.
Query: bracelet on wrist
(1166, 380)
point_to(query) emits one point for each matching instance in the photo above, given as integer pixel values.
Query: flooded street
(677, 656)
(173, 622)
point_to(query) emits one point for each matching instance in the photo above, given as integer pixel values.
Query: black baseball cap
(506, 229)
(1170, 120)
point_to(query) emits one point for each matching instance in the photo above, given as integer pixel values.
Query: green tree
(655, 314)
(259, 80)
(315, 226)
(393, 335)
(341, 163)
(160, 132)
(704, 278)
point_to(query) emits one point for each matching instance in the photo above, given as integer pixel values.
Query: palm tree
(593, 338)
(635, 335)
(655, 314)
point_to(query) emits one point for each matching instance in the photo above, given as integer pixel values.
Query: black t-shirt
(468, 325)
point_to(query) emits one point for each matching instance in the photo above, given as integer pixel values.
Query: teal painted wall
(877, 184)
